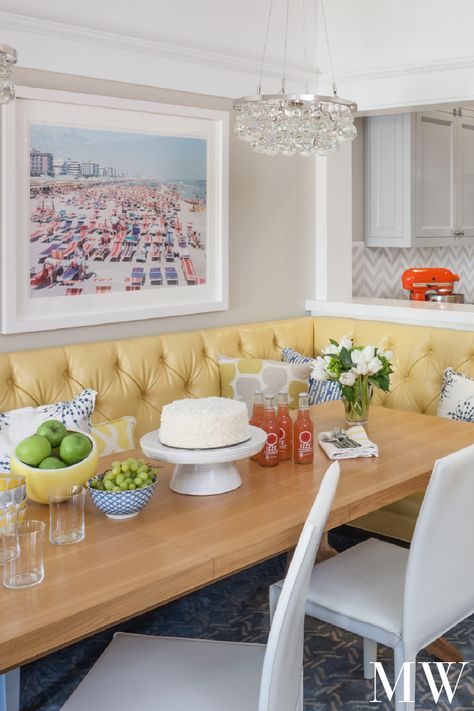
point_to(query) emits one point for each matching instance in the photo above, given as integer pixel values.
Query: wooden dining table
(178, 543)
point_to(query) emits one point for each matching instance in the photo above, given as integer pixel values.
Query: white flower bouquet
(357, 369)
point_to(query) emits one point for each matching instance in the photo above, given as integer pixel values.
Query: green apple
(33, 450)
(53, 430)
(74, 448)
(51, 463)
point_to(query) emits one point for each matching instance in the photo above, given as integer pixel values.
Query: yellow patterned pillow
(240, 377)
(115, 436)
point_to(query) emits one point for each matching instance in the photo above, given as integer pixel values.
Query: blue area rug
(236, 609)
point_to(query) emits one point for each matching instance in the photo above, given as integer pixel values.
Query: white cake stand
(203, 472)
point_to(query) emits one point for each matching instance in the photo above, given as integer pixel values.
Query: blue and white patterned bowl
(121, 504)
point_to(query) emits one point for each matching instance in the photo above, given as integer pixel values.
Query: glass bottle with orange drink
(257, 413)
(303, 433)
(285, 427)
(268, 457)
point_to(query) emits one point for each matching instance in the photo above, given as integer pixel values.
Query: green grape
(133, 467)
(137, 481)
(142, 468)
(142, 475)
(123, 486)
(128, 480)
(116, 470)
(116, 488)
(141, 462)
(120, 478)
(131, 487)
(108, 484)
(154, 471)
(125, 467)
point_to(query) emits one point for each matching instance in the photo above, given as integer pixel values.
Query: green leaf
(345, 358)
(348, 393)
(333, 342)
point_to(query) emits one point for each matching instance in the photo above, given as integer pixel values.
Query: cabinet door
(436, 210)
(465, 174)
(387, 181)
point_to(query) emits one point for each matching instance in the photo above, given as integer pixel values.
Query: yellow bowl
(39, 482)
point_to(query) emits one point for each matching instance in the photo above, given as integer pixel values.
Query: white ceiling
(364, 33)
(382, 49)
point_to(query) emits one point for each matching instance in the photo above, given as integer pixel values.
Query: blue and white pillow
(456, 400)
(18, 424)
(319, 390)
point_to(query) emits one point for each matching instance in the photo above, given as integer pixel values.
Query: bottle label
(305, 442)
(283, 444)
(271, 446)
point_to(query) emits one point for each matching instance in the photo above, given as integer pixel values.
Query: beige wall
(271, 230)
(358, 183)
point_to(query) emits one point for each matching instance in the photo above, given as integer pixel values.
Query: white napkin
(356, 433)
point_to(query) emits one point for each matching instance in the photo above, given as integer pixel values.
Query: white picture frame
(19, 312)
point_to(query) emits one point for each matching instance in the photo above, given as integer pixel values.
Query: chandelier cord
(283, 80)
(305, 46)
(331, 67)
(262, 63)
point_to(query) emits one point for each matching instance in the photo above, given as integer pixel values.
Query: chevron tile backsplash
(377, 271)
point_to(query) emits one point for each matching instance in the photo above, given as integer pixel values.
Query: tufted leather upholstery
(138, 376)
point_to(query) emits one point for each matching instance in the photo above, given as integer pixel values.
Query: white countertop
(416, 313)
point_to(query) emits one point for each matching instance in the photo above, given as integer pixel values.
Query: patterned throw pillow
(115, 436)
(240, 377)
(319, 390)
(456, 399)
(18, 424)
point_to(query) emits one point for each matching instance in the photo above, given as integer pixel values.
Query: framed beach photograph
(111, 210)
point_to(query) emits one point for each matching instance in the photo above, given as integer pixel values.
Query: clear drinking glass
(66, 514)
(26, 569)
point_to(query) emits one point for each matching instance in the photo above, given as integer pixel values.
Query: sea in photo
(115, 211)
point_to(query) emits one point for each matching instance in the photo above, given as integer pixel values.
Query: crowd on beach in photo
(102, 236)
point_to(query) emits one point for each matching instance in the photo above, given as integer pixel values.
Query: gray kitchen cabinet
(419, 179)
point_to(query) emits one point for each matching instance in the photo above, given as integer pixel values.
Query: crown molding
(434, 66)
(352, 82)
(192, 55)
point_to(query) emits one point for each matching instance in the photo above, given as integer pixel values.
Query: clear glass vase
(357, 409)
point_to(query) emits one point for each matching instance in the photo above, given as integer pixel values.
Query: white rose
(386, 354)
(331, 349)
(319, 374)
(357, 356)
(348, 378)
(362, 368)
(374, 366)
(345, 343)
(368, 354)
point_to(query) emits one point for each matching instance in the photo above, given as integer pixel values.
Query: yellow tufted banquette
(138, 376)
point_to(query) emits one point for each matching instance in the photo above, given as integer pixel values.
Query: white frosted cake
(204, 423)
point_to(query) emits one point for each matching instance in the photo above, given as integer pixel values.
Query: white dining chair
(399, 598)
(147, 673)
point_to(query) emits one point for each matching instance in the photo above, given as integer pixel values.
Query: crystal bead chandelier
(295, 123)
(7, 60)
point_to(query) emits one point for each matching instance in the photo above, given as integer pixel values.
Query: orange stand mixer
(424, 283)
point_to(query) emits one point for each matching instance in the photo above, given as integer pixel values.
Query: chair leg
(401, 703)
(274, 595)
(370, 656)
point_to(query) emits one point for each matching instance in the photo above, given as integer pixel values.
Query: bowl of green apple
(125, 489)
(54, 456)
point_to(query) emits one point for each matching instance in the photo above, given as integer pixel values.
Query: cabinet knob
(458, 233)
